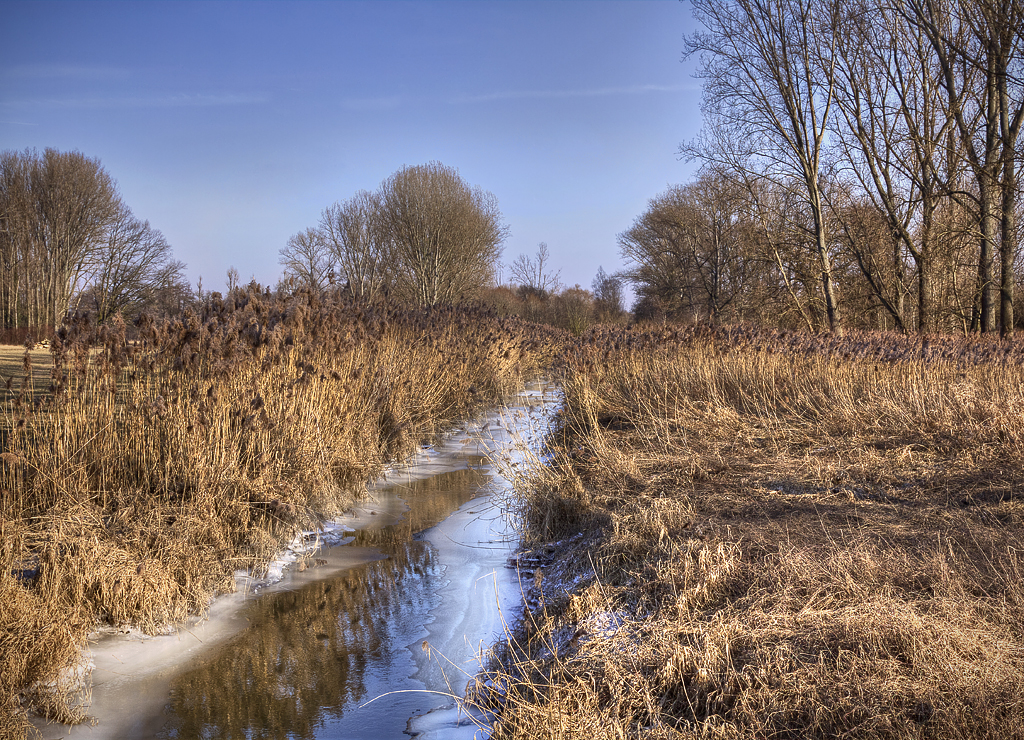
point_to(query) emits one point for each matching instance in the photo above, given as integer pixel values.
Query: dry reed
(164, 457)
(747, 534)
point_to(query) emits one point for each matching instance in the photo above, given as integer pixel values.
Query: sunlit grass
(769, 535)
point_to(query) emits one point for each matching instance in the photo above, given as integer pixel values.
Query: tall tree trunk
(1008, 245)
(986, 252)
(988, 191)
(1008, 132)
(925, 292)
(828, 289)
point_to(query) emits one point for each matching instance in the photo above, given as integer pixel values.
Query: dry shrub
(788, 539)
(167, 455)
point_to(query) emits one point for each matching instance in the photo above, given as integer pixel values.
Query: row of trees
(857, 154)
(425, 235)
(536, 294)
(67, 240)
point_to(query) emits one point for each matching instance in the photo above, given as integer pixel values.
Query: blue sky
(229, 126)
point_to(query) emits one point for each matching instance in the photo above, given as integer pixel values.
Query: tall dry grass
(164, 457)
(775, 536)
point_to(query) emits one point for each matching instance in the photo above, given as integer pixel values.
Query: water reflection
(311, 656)
(429, 500)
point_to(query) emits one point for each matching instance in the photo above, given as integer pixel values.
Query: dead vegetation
(764, 535)
(145, 472)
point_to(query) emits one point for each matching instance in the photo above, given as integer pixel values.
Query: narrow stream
(372, 642)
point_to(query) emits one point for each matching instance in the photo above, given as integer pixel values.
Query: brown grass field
(137, 476)
(748, 534)
(12, 368)
(738, 533)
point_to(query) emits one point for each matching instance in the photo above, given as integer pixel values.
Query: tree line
(536, 293)
(428, 237)
(859, 168)
(68, 241)
(425, 236)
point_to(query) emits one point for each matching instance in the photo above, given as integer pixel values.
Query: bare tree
(234, 279)
(786, 290)
(769, 75)
(129, 268)
(358, 243)
(877, 139)
(608, 298)
(77, 201)
(56, 210)
(691, 248)
(169, 292)
(866, 233)
(534, 273)
(1004, 23)
(572, 309)
(16, 212)
(305, 258)
(998, 27)
(66, 238)
(447, 236)
(983, 37)
(891, 133)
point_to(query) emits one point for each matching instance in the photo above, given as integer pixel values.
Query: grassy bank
(137, 476)
(745, 534)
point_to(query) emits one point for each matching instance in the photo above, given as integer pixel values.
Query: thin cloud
(66, 71)
(372, 104)
(179, 100)
(597, 92)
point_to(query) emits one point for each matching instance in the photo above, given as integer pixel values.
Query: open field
(12, 368)
(152, 470)
(763, 535)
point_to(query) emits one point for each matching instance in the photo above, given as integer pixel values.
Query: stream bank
(405, 602)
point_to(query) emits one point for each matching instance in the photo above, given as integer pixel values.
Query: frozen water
(392, 623)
